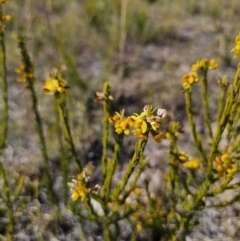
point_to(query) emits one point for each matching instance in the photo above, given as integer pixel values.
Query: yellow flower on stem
(159, 136)
(183, 157)
(122, 126)
(114, 118)
(6, 18)
(54, 86)
(224, 165)
(79, 187)
(154, 124)
(3, 1)
(213, 64)
(196, 66)
(236, 49)
(192, 164)
(25, 74)
(189, 79)
(138, 133)
(79, 192)
(204, 63)
(20, 69)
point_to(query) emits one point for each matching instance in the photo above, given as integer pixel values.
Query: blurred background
(142, 47)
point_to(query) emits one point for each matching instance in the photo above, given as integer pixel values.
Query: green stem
(106, 114)
(9, 203)
(39, 126)
(195, 203)
(173, 173)
(132, 184)
(67, 130)
(139, 149)
(222, 97)
(106, 230)
(205, 103)
(191, 122)
(227, 179)
(111, 170)
(230, 106)
(4, 127)
(64, 164)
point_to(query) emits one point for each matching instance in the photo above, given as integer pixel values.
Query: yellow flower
(139, 228)
(125, 127)
(220, 169)
(189, 79)
(122, 126)
(138, 122)
(54, 86)
(213, 64)
(79, 188)
(20, 69)
(155, 125)
(79, 192)
(192, 164)
(225, 157)
(183, 157)
(204, 63)
(3, 1)
(236, 49)
(114, 119)
(159, 136)
(6, 18)
(156, 120)
(138, 133)
(25, 74)
(232, 170)
(196, 66)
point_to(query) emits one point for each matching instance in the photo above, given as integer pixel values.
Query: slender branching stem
(205, 102)
(29, 67)
(191, 122)
(139, 149)
(9, 202)
(105, 138)
(111, 169)
(67, 131)
(4, 85)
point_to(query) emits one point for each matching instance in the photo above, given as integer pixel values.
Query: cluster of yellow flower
(236, 49)
(6, 18)
(144, 123)
(193, 163)
(189, 79)
(192, 77)
(79, 187)
(204, 64)
(25, 74)
(3, 1)
(224, 165)
(54, 85)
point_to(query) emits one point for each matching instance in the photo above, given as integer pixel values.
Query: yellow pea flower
(236, 49)
(159, 137)
(54, 86)
(213, 64)
(192, 164)
(79, 192)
